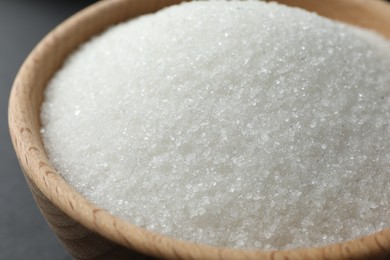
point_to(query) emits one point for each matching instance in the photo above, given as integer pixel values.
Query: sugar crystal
(239, 124)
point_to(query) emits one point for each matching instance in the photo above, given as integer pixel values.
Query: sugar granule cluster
(239, 124)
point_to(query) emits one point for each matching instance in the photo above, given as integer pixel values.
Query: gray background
(23, 232)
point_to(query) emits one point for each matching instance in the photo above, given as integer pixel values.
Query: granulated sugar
(239, 124)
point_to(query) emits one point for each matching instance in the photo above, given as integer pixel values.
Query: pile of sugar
(239, 124)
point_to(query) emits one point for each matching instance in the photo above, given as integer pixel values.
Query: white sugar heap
(240, 124)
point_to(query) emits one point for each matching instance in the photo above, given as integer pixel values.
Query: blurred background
(23, 232)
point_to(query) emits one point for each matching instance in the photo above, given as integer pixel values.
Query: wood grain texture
(92, 233)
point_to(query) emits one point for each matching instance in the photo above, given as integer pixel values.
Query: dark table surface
(23, 232)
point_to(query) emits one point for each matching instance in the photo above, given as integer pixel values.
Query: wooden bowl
(90, 232)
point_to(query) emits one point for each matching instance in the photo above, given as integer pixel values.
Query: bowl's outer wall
(91, 233)
(80, 242)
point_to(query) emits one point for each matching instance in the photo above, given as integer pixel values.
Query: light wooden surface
(92, 233)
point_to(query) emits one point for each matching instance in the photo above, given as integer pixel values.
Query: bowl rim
(37, 168)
